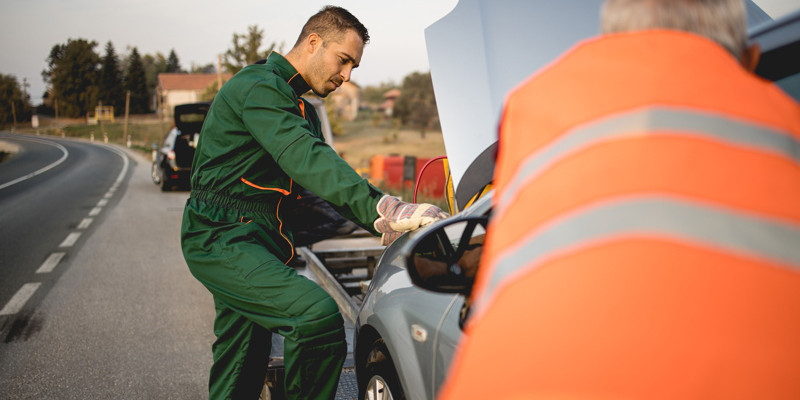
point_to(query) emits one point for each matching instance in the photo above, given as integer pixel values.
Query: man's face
(333, 62)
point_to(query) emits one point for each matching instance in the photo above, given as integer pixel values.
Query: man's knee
(322, 321)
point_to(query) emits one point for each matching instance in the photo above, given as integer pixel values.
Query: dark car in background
(172, 161)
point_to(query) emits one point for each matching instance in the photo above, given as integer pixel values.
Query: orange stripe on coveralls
(282, 191)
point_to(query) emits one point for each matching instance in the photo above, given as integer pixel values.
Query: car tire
(382, 382)
(155, 173)
(166, 184)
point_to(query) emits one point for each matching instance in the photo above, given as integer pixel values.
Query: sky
(200, 30)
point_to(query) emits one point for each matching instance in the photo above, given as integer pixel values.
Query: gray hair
(723, 21)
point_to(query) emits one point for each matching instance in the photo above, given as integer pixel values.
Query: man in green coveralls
(259, 142)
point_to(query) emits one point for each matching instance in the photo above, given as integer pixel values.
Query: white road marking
(27, 290)
(20, 298)
(50, 264)
(70, 239)
(41, 170)
(85, 223)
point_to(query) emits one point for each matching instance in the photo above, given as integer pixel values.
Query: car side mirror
(444, 257)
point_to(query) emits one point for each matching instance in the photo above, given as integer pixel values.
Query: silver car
(409, 325)
(405, 335)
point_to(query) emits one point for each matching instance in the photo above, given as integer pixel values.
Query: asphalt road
(46, 190)
(118, 314)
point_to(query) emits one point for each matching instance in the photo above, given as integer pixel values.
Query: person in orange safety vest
(645, 241)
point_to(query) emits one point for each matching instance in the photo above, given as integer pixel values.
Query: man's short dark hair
(330, 23)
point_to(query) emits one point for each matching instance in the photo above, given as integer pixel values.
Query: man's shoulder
(256, 76)
(257, 73)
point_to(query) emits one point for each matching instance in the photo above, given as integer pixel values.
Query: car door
(780, 52)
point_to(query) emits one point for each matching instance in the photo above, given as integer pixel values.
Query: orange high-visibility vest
(645, 241)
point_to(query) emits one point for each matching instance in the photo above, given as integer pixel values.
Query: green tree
(416, 106)
(374, 94)
(209, 92)
(245, 50)
(154, 64)
(72, 76)
(334, 119)
(109, 88)
(203, 69)
(173, 65)
(136, 83)
(15, 104)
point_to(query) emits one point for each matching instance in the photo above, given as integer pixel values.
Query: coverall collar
(286, 71)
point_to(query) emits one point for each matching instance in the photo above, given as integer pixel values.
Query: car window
(780, 44)
(791, 85)
(192, 117)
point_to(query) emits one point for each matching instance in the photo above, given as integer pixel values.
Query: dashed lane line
(20, 298)
(85, 223)
(51, 262)
(70, 240)
(27, 290)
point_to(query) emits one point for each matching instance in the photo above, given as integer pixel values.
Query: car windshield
(791, 85)
(192, 117)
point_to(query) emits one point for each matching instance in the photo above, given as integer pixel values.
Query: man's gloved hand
(398, 217)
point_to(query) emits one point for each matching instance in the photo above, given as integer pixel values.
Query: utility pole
(219, 72)
(159, 104)
(98, 115)
(14, 114)
(127, 108)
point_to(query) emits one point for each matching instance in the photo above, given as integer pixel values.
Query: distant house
(345, 101)
(174, 89)
(388, 101)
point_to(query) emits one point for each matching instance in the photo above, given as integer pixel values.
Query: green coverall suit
(259, 140)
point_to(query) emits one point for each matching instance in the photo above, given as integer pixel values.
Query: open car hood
(484, 48)
(189, 117)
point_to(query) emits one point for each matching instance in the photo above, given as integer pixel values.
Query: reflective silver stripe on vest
(650, 122)
(669, 218)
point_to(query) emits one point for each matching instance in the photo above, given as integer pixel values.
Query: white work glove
(398, 217)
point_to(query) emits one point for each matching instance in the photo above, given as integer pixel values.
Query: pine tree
(173, 65)
(110, 85)
(136, 83)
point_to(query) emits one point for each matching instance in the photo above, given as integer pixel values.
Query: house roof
(391, 94)
(188, 81)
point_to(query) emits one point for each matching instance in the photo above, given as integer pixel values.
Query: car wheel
(155, 173)
(166, 184)
(382, 382)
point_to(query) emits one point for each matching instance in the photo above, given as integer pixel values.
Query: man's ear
(750, 57)
(313, 42)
